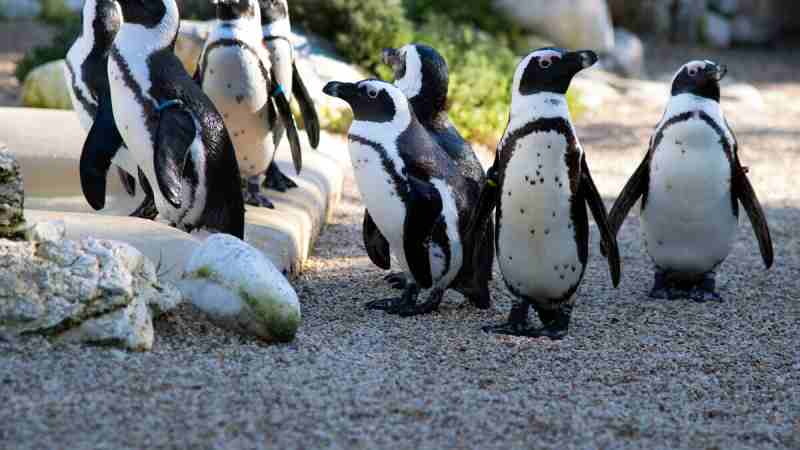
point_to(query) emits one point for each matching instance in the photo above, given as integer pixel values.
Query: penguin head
(371, 100)
(101, 19)
(422, 74)
(147, 13)
(700, 78)
(237, 9)
(274, 10)
(550, 70)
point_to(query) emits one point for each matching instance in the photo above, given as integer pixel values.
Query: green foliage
(57, 49)
(478, 13)
(56, 12)
(360, 29)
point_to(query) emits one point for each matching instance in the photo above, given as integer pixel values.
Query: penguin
(87, 74)
(691, 183)
(169, 125)
(418, 197)
(235, 71)
(541, 185)
(422, 74)
(277, 38)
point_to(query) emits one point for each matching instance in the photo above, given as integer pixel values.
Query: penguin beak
(716, 72)
(391, 57)
(583, 59)
(344, 91)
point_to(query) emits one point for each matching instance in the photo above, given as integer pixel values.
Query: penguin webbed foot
(705, 291)
(277, 180)
(555, 323)
(429, 306)
(394, 305)
(396, 280)
(663, 289)
(253, 196)
(146, 210)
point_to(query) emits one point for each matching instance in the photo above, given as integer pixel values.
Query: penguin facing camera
(540, 185)
(691, 183)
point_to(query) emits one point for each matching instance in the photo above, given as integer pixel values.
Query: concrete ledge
(48, 144)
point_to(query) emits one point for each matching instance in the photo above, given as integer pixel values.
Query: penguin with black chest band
(235, 72)
(86, 70)
(422, 74)
(277, 39)
(541, 185)
(691, 183)
(170, 126)
(418, 198)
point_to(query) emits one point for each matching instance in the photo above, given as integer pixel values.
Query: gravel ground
(634, 373)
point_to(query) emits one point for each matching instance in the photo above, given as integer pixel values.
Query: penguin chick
(168, 124)
(419, 199)
(277, 38)
(86, 69)
(236, 73)
(541, 185)
(691, 183)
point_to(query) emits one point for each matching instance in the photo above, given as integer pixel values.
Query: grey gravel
(634, 373)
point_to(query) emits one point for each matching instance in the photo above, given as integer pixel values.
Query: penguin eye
(692, 71)
(372, 92)
(545, 63)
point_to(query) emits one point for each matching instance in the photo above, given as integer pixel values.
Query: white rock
(627, 58)
(46, 87)
(239, 288)
(81, 291)
(716, 30)
(571, 24)
(12, 196)
(54, 231)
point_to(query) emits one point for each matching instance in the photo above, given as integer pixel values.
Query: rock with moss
(240, 289)
(46, 87)
(12, 196)
(92, 291)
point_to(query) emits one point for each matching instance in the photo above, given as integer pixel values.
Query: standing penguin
(277, 38)
(170, 126)
(541, 185)
(420, 201)
(422, 74)
(236, 73)
(86, 70)
(691, 183)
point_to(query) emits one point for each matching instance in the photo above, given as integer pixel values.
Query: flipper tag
(169, 104)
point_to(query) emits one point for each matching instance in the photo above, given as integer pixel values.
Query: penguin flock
(201, 147)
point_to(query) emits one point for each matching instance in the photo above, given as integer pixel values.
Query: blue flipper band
(168, 104)
(278, 90)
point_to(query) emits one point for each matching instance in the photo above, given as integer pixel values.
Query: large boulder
(240, 289)
(93, 291)
(571, 24)
(627, 58)
(46, 87)
(12, 196)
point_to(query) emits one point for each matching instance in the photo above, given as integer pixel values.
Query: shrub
(56, 12)
(57, 49)
(360, 29)
(479, 13)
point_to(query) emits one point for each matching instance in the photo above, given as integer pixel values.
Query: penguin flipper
(176, 132)
(591, 195)
(487, 200)
(377, 246)
(423, 210)
(128, 181)
(285, 112)
(307, 108)
(99, 149)
(636, 187)
(743, 191)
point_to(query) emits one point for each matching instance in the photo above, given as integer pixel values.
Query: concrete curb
(48, 144)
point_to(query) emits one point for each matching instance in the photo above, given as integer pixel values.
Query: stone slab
(48, 143)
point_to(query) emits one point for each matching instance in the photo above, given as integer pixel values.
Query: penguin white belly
(537, 252)
(443, 274)
(234, 82)
(688, 223)
(380, 196)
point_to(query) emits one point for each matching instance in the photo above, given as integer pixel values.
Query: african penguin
(170, 126)
(541, 186)
(235, 72)
(691, 184)
(422, 74)
(277, 38)
(418, 198)
(86, 70)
